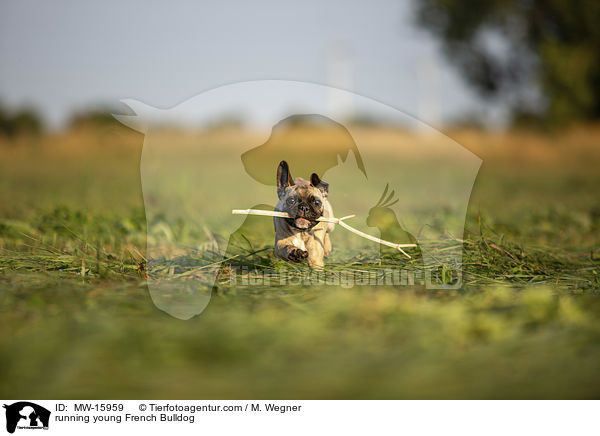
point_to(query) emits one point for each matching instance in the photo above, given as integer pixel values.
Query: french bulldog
(301, 236)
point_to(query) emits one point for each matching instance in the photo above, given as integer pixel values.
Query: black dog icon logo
(26, 415)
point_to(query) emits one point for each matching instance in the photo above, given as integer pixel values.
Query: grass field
(78, 322)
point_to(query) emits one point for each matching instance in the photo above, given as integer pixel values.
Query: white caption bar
(300, 417)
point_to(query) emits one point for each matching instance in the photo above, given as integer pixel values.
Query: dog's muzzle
(302, 223)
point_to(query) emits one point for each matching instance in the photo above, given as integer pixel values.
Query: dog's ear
(284, 178)
(319, 184)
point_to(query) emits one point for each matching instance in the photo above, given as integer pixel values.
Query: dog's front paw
(297, 255)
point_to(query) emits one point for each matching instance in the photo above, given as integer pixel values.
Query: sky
(66, 56)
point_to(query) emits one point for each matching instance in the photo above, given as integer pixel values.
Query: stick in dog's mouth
(302, 223)
(334, 220)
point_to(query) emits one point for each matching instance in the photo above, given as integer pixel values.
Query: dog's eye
(317, 202)
(291, 200)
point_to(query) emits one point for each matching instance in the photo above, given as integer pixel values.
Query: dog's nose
(303, 207)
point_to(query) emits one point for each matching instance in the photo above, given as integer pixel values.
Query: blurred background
(444, 62)
(67, 57)
(516, 82)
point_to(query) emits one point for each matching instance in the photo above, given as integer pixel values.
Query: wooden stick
(339, 221)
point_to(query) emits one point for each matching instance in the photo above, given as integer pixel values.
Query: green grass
(78, 321)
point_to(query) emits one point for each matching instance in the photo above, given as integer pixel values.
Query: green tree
(23, 121)
(541, 56)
